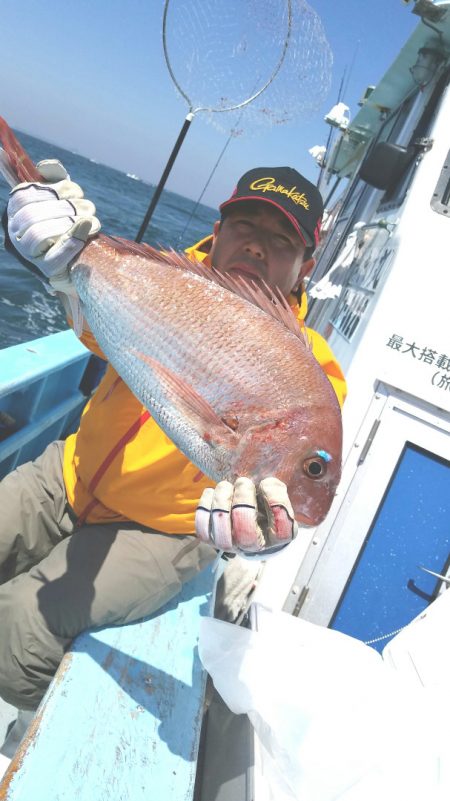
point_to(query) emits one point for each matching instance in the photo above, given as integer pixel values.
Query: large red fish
(225, 371)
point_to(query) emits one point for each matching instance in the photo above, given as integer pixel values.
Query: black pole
(164, 177)
(324, 160)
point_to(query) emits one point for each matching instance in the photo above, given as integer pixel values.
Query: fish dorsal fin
(138, 248)
(271, 301)
(170, 257)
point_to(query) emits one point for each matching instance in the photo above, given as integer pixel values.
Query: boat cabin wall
(383, 303)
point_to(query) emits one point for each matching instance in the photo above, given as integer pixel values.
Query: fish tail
(15, 164)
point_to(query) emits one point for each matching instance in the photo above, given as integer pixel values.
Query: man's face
(257, 241)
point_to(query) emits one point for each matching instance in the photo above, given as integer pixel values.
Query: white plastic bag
(334, 720)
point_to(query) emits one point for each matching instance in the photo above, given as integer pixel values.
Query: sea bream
(221, 363)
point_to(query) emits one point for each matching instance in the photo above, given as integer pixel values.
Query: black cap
(283, 187)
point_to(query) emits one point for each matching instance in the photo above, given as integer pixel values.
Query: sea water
(27, 310)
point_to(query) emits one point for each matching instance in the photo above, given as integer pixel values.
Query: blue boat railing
(44, 385)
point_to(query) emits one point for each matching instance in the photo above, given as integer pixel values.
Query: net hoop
(212, 109)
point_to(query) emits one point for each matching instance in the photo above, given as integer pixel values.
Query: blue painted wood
(40, 389)
(122, 718)
(21, 364)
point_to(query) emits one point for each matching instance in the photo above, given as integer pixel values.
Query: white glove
(242, 518)
(49, 223)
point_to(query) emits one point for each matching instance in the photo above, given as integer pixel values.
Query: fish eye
(315, 467)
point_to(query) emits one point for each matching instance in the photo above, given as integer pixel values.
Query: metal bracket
(369, 441)
(301, 600)
(440, 202)
(443, 581)
(423, 144)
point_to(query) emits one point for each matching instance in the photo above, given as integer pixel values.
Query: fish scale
(179, 341)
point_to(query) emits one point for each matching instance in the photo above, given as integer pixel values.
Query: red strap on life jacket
(98, 475)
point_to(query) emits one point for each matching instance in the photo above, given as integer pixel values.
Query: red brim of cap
(290, 217)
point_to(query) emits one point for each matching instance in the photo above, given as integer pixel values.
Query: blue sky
(91, 77)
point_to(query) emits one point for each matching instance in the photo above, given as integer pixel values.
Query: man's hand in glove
(49, 224)
(246, 519)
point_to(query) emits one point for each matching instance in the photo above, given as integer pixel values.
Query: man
(98, 530)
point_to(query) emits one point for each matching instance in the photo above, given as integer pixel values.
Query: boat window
(359, 201)
(399, 129)
(351, 201)
(358, 205)
(344, 216)
(403, 122)
(350, 311)
(398, 126)
(417, 138)
(343, 303)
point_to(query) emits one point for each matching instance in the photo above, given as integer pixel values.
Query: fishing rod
(342, 90)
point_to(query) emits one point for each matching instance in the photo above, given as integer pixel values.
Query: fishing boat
(379, 294)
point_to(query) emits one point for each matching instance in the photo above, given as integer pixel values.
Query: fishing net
(265, 62)
(245, 64)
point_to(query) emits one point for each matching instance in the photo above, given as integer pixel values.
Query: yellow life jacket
(121, 466)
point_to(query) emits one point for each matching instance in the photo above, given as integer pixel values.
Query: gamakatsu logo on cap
(268, 185)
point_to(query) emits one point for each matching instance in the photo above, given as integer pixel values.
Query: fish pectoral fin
(205, 420)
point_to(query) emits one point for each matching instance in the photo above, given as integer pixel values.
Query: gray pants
(57, 580)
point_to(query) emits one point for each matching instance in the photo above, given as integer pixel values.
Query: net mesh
(221, 54)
